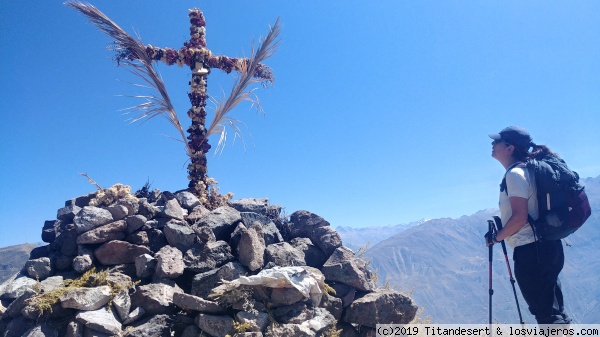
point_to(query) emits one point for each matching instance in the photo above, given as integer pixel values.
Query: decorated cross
(195, 55)
(200, 59)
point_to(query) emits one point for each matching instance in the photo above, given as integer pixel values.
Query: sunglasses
(496, 141)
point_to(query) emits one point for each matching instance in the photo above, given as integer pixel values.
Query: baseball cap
(514, 135)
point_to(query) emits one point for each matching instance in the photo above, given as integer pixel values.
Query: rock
(313, 255)
(119, 252)
(132, 205)
(381, 306)
(283, 255)
(145, 265)
(48, 231)
(134, 315)
(135, 222)
(17, 287)
(90, 217)
(221, 221)
(157, 326)
(216, 326)
(18, 326)
(100, 320)
(303, 223)
(251, 248)
(344, 292)
(203, 283)
(173, 210)
(169, 263)
(285, 296)
(112, 231)
(196, 213)
(155, 298)
(257, 205)
(68, 213)
(15, 308)
(195, 303)
(327, 239)
(82, 263)
(66, 243)
(207, 256)
(39, 269)
(181, 236)
(41, 331)
(122, 304)
(295, 314)
(148, 210)
(187, 200)
(86, 298)
(74, 329)
(156, 239)
(258, 321)
(118, 211)
(334, 305)
(344, 267)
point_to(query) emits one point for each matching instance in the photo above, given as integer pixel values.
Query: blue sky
(379, 114)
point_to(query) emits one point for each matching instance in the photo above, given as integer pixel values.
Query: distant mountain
(443, 264)
(357, 238)
(13, 258)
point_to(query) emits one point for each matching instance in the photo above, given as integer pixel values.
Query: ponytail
(540, 151)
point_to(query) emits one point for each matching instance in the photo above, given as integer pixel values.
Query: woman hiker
(536, 263)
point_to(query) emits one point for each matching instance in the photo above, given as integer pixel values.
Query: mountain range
(443, 265)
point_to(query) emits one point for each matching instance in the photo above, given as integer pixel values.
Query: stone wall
(167, 266)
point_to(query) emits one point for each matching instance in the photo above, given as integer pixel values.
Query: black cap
(514, 135)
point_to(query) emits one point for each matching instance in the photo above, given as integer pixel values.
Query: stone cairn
(164, 265)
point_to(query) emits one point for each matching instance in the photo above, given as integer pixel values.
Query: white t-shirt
(520, 183)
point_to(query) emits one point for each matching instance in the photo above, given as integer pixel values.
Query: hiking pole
(490, 256)
(498, 227)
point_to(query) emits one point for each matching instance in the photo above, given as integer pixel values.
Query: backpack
(562, 202)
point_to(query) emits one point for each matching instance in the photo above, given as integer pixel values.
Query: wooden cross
(200, 60)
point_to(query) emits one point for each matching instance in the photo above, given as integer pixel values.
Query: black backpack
(562, 202)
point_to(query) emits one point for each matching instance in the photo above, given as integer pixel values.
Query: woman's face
(501, 150)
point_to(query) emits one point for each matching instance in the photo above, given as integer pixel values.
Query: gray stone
(313, 256)
(48, 231)
(203, 283)
(303, 223)
(251, 247)
(221, 221)
(294, 314)
(82, 263)
(191, 331)
(327, 239)
(169, 263)
(138, 238)
(381, 307)
(118, 211)
(41, 331)
(134, 315)
(258, 321)
(86, 298)
(187, 200)
(17, 287)
(100, 320)
(155, 298)
(15, 308)
(74, 329)
(215, 326)
(344, 292)
(195, 303)
(91, 217)
(68, 213)
(135, 222)
(180, 235)
(119, 252)
(207, 256)
(122, 304)
(18, 326)
(111, 231)
(285, 296)
(39, 269)
(309, 323)
(344, 267)
(132, 205)
(334, 305)
(148, 210)
(145, 266)
(173, 210)
(156, 326)
(283, 255)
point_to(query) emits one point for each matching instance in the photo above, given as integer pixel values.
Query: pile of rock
(153, 266)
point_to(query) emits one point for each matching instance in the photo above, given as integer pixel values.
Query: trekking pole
(490, 256)
(498, 227)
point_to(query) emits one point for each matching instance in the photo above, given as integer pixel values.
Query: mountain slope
(13, 258)
(443, 263)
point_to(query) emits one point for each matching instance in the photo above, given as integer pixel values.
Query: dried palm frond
(131, 52)
(240, 91)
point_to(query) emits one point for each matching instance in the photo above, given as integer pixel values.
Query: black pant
(537, 266)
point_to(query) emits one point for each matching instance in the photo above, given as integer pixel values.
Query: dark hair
(540, 151)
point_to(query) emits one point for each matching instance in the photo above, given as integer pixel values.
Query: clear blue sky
(379, 114)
